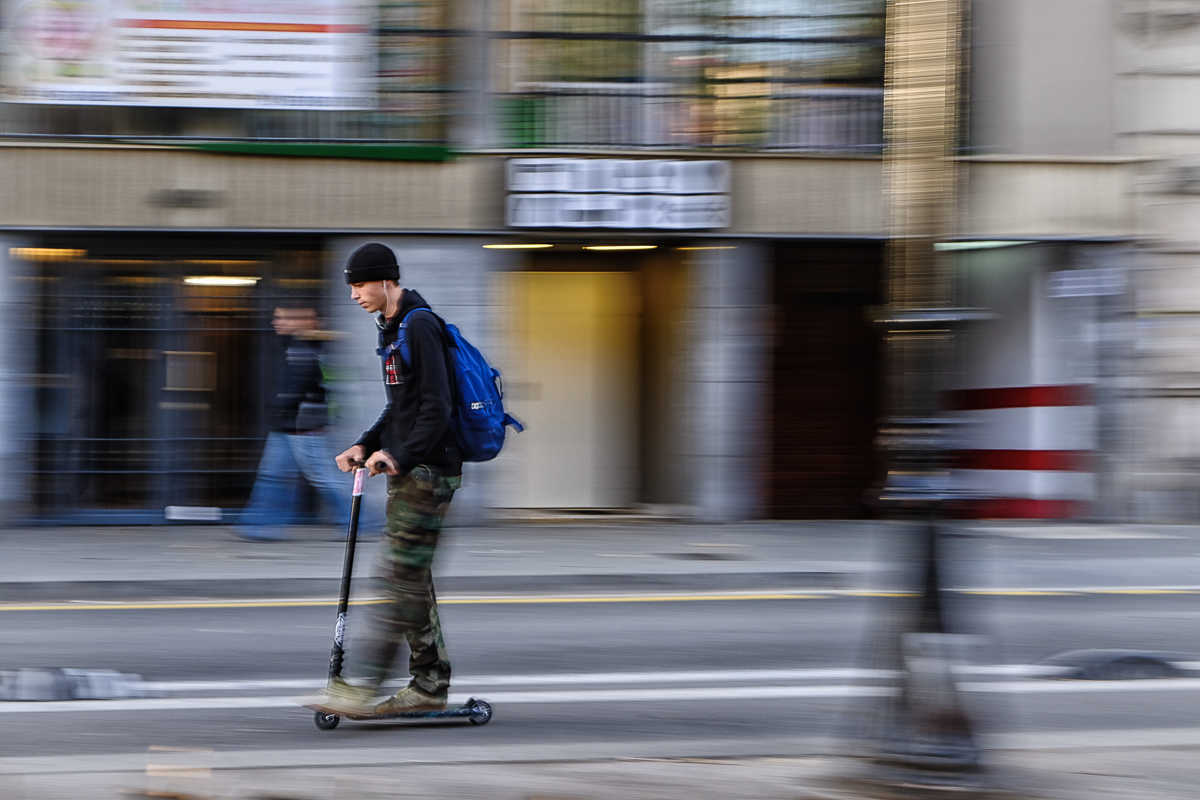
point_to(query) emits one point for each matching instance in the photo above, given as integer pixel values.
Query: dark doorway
(827, 379)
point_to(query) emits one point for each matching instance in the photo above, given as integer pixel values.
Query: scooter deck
(445, 713)
(477, 712)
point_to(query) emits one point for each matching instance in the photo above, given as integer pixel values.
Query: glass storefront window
(153, 364)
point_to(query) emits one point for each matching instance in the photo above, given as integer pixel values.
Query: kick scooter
(477, 712)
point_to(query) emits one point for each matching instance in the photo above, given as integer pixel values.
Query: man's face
(371, 295)
(290, 321)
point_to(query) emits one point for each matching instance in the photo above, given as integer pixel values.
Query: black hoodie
(413, 428)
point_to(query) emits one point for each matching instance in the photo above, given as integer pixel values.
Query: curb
(277, 588)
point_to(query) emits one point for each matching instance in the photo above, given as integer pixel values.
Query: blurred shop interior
(150, 367)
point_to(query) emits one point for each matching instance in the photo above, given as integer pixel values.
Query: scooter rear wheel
(326, 722)
(481, 712)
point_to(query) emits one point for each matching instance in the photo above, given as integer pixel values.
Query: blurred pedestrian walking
(296, 446)
(412, 443)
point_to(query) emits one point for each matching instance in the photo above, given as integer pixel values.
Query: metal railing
(655, 116)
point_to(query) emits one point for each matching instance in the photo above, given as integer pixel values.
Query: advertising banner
(298, 54)
(617, 193)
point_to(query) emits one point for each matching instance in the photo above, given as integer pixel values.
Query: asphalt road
(709, 672)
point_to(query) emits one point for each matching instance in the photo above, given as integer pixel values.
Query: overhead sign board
(617, 193)
(294, 54)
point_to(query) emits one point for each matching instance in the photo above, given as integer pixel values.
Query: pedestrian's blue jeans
(276, 494)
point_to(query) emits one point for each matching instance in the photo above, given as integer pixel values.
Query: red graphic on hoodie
(391, 370)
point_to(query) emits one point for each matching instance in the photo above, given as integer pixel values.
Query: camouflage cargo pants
(416, 506)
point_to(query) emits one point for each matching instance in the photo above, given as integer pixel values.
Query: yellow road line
(648, 598)
(1015, 592)
(204, 604)
(118, 606)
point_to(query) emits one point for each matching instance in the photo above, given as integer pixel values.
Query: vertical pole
(928, 740)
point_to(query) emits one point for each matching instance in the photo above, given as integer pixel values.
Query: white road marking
(1070, 532)
(567, 678)
(1084, 687)
(146, 704)
(577, 696)
(676, 694)
(585, 678)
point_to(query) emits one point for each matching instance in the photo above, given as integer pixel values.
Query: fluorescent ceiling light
(621, 247)
(984, 245)
(220, 280)
(46, 253)
(219, 262)
(517, 246)
(714, 247)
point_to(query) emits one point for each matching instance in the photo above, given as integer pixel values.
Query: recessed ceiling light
(46, 253)
(220, 280)
(219, 262)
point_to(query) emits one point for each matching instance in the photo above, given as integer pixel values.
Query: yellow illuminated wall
(571, 364)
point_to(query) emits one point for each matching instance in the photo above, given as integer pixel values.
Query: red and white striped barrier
(1031, 450)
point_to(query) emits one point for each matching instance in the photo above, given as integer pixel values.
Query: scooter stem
(339, 633)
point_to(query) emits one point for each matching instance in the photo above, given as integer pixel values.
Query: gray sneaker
(345, 700)
(412, 698)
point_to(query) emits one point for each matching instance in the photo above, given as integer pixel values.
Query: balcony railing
(658, 116)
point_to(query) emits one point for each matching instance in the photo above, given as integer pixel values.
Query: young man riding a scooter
(412, 444)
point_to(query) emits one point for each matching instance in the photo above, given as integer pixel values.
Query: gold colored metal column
(921, 112)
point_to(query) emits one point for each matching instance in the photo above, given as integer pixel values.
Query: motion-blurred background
(172, 170)
(674, 225)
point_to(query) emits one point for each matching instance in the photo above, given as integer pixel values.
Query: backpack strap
(401, 342)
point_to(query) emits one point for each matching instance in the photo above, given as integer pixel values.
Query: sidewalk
(1090, 774)
(209, 562)
(51, 564)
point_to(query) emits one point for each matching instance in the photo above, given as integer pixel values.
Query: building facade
(701, 350)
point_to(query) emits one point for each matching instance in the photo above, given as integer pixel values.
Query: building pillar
(727, 452)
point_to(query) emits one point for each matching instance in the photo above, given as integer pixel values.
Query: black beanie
(372, 262)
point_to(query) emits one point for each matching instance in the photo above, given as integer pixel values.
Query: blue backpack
(478, 419)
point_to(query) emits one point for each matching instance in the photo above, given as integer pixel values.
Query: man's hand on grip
(381, 463)
(352, 458)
